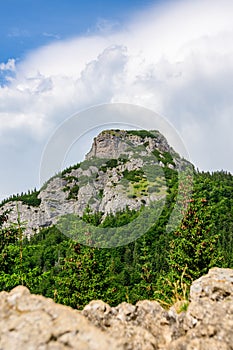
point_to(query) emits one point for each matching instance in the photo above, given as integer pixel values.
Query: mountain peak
(124, 170)
(115, 143)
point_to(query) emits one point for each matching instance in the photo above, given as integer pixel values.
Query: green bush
(133, 175)
(143, 133)
(73, 192)
(111, 163)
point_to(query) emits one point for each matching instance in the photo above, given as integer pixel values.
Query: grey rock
(33, 322)
(101, 190)
(145, 325)
(207, 324)
(216, 286)
(209, 319)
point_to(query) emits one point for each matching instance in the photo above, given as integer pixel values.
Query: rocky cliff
(34, 322)
(123, 169)
(114, 143)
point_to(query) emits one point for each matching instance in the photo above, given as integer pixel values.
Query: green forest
(159, 265)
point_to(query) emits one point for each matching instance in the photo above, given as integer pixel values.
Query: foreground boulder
(33, 322)
(207, 324)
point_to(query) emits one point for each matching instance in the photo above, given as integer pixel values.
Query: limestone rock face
(123, 169)
(114, 143)
(34, 322)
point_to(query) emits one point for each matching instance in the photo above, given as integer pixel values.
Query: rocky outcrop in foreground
(34, 322)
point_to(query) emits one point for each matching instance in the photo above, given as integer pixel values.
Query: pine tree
(194, 245)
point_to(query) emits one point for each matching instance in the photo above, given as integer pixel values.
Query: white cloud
(51, 35)
(176, 58)
(105, 26)
(8, 66)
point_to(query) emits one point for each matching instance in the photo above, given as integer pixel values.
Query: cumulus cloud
(8, 66)
(175, 58)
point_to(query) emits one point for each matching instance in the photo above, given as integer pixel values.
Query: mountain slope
(124, 169)
(160, 264)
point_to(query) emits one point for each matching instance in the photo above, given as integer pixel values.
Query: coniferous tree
(194, 244)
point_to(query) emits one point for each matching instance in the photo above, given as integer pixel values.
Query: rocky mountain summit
(124, 169)
(34, 322)
(115, 143)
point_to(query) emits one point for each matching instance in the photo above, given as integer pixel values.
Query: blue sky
(61, 57)
(27, 24)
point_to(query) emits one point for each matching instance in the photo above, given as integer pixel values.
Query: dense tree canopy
(53, 265)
